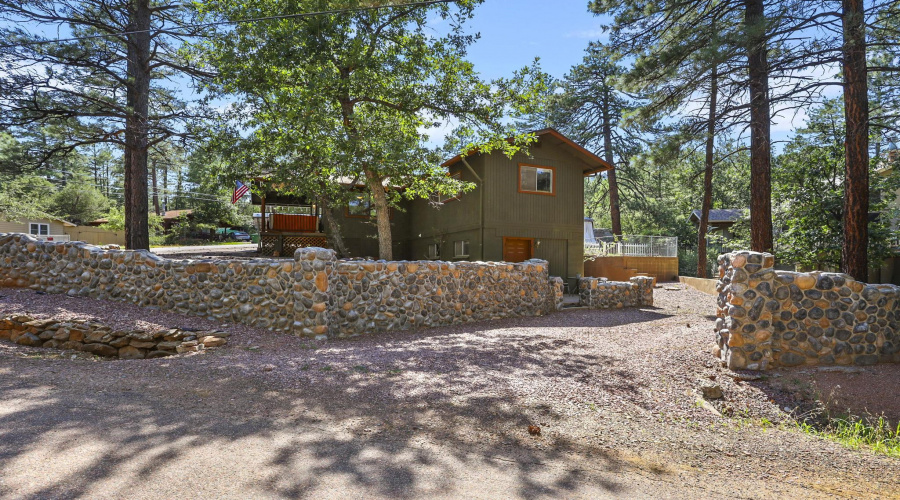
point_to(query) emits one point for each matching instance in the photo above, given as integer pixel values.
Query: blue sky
(514, 32)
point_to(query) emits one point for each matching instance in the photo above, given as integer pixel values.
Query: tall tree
(709, 164)
(756, 36)
(97, 82)
(854, 259)
(590, 110)
(372, 79)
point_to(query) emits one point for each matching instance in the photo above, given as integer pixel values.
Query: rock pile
(104, 341)
(768, 318)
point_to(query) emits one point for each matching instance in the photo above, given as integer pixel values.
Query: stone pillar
(312, 272)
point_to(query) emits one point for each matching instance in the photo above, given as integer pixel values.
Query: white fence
(633, 246)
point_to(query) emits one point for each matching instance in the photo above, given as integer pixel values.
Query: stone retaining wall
(313, 295)
(769, 318)
(102, 340)
(600, 293)
(379, 296)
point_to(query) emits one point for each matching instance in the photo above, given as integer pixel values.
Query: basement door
(517, 249)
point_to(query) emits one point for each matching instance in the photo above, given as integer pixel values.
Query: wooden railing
(285, 244)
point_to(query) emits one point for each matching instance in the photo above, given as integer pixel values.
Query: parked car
(239, 236)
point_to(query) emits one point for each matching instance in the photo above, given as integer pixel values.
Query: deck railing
(633, 246)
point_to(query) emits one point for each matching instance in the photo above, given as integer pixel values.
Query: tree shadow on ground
(390, 417)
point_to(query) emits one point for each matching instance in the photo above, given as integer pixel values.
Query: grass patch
(858, 433)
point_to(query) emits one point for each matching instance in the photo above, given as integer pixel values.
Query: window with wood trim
(38, 229)
(536, 179)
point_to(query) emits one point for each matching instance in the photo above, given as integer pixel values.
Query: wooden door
(517, 249)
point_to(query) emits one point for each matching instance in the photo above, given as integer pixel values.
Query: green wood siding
(451, 221)
(555, 222)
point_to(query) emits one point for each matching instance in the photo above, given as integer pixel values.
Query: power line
(231, 22)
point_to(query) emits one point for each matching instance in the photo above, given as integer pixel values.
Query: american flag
(240, 189)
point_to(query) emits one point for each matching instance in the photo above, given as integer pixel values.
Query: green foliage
(332, 98)
(24, 197)
(808, 190)
(858, 433)
(115, 221)
(78, 202)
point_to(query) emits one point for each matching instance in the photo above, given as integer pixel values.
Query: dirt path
(438, 413)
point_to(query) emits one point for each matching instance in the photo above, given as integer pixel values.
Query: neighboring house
(528, 206)
(171, 217)
(720, 219)
(43, 228)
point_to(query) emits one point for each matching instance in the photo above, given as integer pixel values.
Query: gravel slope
(441, 412)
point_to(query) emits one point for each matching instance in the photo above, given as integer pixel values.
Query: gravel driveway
(437, 413)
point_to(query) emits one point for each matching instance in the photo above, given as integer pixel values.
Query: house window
(444, 198)
(537, 180)
(461, 248)
(434, 251)
(39, 229)
(361, 206)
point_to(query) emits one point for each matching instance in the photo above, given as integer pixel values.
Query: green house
(528, 206)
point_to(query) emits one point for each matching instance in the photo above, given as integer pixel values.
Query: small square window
(539, 180)
(461, 248)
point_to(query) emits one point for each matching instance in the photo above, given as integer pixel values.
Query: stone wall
(558, 294)
(258, 292)
(312, 295)
(600, 293)
(769, 318)
(376, 296)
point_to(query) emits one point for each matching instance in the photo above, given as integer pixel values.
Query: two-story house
(527, 206)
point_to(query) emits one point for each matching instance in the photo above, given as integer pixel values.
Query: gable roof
(174, 214)
(720, 215)
(65, 223)
(554, 137)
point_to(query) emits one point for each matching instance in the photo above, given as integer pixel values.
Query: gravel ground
(440, 412)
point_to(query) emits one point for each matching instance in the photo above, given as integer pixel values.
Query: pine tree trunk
(707, 174)
(854, 258)
(761, 239)
(155, 188)
(382, 214)
(165, 187)
(137, 232)
(614, 214)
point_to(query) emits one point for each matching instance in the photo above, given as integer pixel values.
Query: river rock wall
(768, 318)
(313, 295)
(376, 296)
(600, 293)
